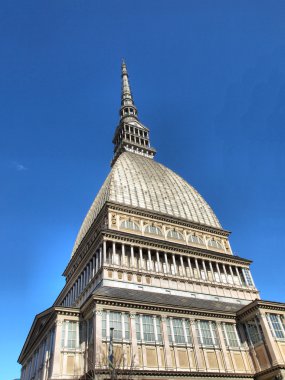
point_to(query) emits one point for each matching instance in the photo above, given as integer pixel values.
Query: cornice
(260, 304)
(101, 300)
(269, 370)
(174, 374)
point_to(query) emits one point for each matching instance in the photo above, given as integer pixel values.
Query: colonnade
(136, 258)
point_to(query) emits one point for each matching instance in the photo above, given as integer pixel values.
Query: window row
(149, 330)
(173, 234)
(137, 131)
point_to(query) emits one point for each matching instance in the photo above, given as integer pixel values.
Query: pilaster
(269, 340)
(168, 359)
(135, 351)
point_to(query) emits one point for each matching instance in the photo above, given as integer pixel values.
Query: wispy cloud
(19, 167)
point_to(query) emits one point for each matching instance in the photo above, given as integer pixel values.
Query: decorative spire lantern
(130, 135)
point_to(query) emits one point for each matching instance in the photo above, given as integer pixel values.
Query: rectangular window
(253, 332)
(126, 317)
(148, 328)
(247, 276)
(115, 322)
(230, 335)
(120, 322)
(178, 330)
(158, 329)
(207, 333)
(69, 334)
(72, 334)
(276, 327)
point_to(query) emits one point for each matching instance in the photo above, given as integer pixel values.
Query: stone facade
(152, 261)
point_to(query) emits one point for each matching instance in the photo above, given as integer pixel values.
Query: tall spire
(130, 135)
(128, 108)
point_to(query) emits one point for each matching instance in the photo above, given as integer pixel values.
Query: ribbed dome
(141, 182)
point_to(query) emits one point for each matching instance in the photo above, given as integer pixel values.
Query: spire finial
(128, 108)
(130, 135)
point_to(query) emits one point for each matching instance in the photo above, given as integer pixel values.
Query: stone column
(182, 266)
(212, 271)
(219, 272)
(134, 351)
(196, 346)
(205, 271)
(149, 259)
(94, 266)
(56, 367)
(225, 272)
(190, 267)
(238, 274)
(132, 256)
(166, 262)
(174, 264)
(141, 258)
(269, 340)
(100, 257)
(158, 262)
(113, 252)
(97, 331)
(167, 352)
(123, 261)
(232, 274)
(197, 268)
(104, 252)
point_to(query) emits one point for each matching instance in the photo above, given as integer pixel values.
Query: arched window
(130, 225)
(195, 239)
(153, 230)
(174, 235)
(215, 244)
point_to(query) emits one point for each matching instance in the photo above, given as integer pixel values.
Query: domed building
(153, 289)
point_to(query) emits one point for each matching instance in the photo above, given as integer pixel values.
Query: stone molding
(171, 247)
(159, 309)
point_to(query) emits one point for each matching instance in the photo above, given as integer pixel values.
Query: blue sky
(208, 78)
